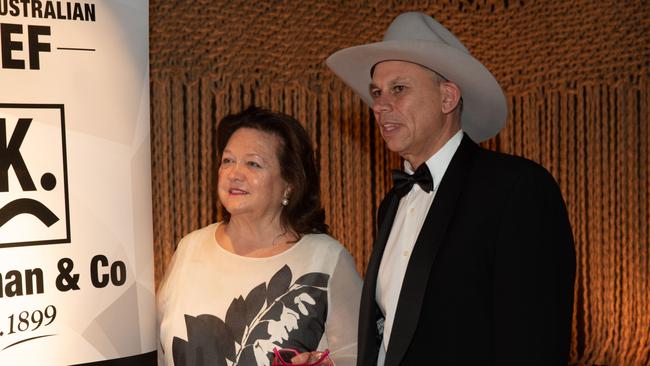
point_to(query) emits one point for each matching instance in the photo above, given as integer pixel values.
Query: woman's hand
(308, 358)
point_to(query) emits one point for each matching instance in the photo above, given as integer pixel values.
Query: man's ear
(450, 93)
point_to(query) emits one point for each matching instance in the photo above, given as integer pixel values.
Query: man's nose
(381, 104)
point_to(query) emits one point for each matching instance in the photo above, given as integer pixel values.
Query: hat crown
(417, 26)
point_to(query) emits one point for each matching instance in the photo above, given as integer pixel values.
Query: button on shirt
(411, 212)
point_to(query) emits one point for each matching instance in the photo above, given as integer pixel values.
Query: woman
(267, 276)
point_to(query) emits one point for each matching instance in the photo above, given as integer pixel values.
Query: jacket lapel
(424, 252)
(368, 309)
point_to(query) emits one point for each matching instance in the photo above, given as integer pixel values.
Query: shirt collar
(439, 161)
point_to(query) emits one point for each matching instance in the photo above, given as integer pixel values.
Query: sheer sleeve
(162, 298)
(343, 317)
(165, 296)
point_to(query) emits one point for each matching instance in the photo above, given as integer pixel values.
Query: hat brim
(484, 104)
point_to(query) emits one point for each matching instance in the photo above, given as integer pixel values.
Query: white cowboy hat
(418, 38)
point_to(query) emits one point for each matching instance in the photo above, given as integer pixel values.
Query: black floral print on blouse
(281, 314)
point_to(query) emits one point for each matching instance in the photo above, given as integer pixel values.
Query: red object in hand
(283, 357)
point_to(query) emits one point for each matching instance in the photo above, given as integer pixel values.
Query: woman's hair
(304, 213)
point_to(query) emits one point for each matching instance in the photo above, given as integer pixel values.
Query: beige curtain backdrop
(577, 79)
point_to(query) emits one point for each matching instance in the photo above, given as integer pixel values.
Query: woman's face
(250, 182)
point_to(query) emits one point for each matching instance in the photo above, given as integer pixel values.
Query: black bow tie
(403, 182)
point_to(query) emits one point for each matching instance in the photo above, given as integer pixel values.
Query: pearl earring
(285, 198)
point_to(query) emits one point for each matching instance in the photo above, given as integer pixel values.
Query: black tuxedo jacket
(490, 279)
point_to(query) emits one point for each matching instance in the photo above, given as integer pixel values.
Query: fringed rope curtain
(577, 79)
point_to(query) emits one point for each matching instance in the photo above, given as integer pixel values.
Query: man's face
(408, 110)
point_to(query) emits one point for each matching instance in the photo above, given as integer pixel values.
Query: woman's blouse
(219, 308)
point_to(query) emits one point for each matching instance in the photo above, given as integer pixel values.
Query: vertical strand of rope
(602, 150)
(505, 137)
(335, 165)
(580, 227)
(179, 205)
(593, 231)
(277, 97)
(528, 112)
(538, 140)
(599, 226)
(247, 89)
(528, 119)
(545, 141)
(160, 250)
(608, 148)
(300, 103)
(643, 197)
(191, 120)
(284, 100)
(309, 114)
(324, 149)
(569, 172)
(345, 160)
(365, 247)
(161, 147)
(356, 179)
(263, 95)
(628, 146)
(312, 128)
(617, 136)
(554, 154)
(206, 155)
(609, 139)
(235, 97)
(628, 142)
(220, 98)
(607, 151)
(519, 128)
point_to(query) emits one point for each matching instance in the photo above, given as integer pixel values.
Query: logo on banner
(33, 175)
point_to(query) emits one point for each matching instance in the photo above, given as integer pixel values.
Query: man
(473, 263)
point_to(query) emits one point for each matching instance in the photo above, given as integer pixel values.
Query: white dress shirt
(411, 212)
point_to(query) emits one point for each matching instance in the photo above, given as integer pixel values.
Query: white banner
(76, 261)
